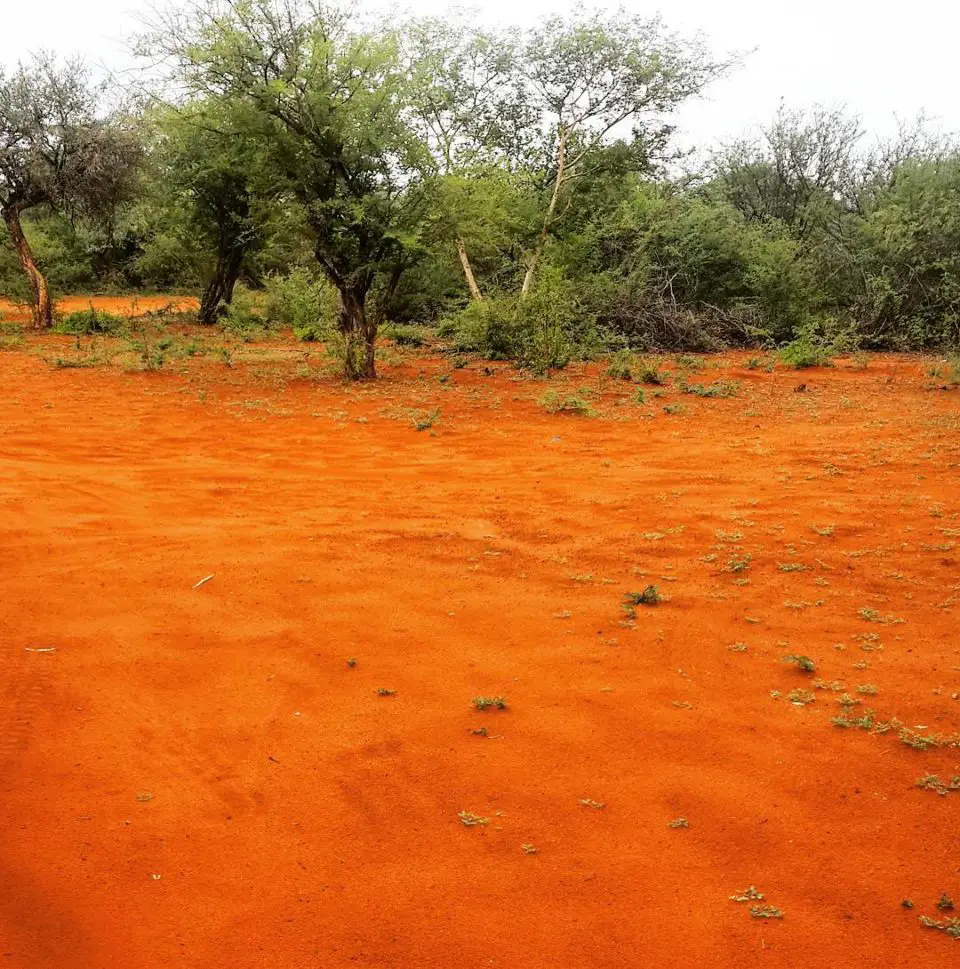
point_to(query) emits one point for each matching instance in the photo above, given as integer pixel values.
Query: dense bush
(91, 321)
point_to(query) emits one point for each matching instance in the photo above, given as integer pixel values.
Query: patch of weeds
(738, 563)
(723, 536)
(867, 689)
(945, 904)
(755, 363)
(640, 398)
(765, 912)
(619, 368)
(834, 685)
(824, 530)
(800, 697)
(649, 597)
(871, 615)
(91, 321)
(791, 567)
(737, 647)
(554, 403)
(749, 894)
(720, 388)
(951, 925)
(424, 420)
(918, 741)
(471, 820)
(12, 341)
(649, 373)
(803, 663)
(674, 409)
(864, 722)
(383, 691)
(352, 662)
(588, 802)
(225, 353)
(489, 703)
(845, 700)
(679, 823)
(932, 782)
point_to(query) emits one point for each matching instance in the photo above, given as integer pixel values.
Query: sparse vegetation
(489, 703)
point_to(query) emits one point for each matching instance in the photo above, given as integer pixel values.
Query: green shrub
(242, 318)
(405, 335)
(308, 306)
(816, 344)
(91, 321)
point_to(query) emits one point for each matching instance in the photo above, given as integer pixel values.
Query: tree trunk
(219, 291)
(359, 335)
(534, 264)
(468, 271)
(42, 307)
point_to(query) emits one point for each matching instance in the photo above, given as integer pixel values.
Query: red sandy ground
(299, 819)
(123, 305)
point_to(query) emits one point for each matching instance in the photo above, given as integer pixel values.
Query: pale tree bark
(42, 309)
(534, 261)
(359, 334)
(475, 293)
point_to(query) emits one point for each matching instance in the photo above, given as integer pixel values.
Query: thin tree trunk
(42, 306)
(534, 264)
(359, 334)
(468, 271)
(219, 291)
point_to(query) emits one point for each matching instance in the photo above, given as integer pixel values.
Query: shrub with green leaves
(92, 321)
(305, 304)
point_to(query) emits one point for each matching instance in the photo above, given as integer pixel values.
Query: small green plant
(640, 397)
(554, 403)
(619, 368)
(951, 925)
(803, 663)
(738, 563)
(424, 420)
(931, 782)
(765, 912)
(871, 615)
(801, 697)
(650, 596)
(720, 388)
(945, 904)
(824, 530)
(674, 409)
(490, 703)
(867, 689)
(749, 894)
(649, 373)
(470, 820)
(791, 567)
(815, 345)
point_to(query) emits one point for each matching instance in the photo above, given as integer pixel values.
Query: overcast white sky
(832, 51)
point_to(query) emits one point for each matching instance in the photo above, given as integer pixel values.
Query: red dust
(193, 775)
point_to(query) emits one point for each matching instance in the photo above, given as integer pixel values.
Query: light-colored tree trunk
(360, 336)
(42, 306)
(533, 263)
(468, 271)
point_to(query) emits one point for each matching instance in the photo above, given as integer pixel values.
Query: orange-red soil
(122, 305)
(196, 777)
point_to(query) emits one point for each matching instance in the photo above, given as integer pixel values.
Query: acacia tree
(211, 168)
(587, 77)
(468, 104)
(58, 150)
(325, 103)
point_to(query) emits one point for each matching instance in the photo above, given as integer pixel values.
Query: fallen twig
(204, 580)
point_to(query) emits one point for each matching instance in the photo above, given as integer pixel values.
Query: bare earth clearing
(196, 777)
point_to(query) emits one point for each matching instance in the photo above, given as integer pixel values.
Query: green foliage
(816, 344)
(243, 317)
(91, 321)
(300, 301)
(555, 403)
